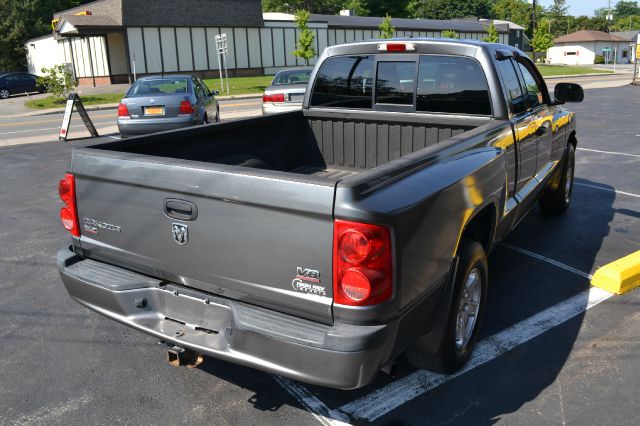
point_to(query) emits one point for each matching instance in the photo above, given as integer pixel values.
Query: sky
(582, 7)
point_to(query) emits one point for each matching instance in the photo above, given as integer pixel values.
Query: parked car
(157, 103)
(320, 244)
(286, 91)
(18, 82)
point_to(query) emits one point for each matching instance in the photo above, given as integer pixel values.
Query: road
(553, 351)
(45, 128)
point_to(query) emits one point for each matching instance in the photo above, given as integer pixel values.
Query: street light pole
(533, 18)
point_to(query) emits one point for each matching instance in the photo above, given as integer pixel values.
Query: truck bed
(321, 144)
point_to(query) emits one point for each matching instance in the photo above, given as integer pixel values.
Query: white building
(581, 48)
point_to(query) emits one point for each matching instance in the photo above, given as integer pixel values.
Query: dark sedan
(18, 82)
(158, 103)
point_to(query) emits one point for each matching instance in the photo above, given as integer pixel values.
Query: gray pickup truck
(321, 244)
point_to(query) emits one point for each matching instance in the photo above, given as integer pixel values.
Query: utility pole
(533, 18)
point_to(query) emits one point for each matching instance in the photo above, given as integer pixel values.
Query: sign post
(223, 50)
(74, 100)
(635, 66)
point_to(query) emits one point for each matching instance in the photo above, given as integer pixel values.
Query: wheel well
(481, 227)
(572, 139)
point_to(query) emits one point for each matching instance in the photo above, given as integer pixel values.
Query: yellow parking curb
(620, 276)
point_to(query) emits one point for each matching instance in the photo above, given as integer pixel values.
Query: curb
(581, 75)
(115, 106)
(620, 276)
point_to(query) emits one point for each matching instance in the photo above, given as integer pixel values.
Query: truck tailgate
(258, 239)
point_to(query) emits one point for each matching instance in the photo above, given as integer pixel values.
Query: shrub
(58, 81)
(599, 59)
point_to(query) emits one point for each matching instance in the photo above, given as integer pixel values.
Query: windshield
(159, 86)
(292, 77)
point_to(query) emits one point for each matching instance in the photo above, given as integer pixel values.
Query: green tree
(556, 17)
(449, 34)
(492, 34)
(58, 81)
(542, 40)
(624, 9)
(397, 8)
(313, 6)
(447, 9)
(516, 11)
(305, 48)
(360, 6)
(386, 29)
(578, 23)
(628, 23)
(23, 20)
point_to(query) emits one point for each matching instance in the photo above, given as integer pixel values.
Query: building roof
(588, 35)
(628, 35)
(338, 21)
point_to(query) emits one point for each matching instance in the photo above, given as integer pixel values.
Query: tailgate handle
(180, 209)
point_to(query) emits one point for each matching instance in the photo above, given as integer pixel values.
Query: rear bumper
(271, 108)
(341, 356)
(132, 126)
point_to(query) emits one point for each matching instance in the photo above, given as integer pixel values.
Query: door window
(344, 82)
(533, 92)
(512, 83)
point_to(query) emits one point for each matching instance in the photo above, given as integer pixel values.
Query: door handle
(180, 209)
(543, 128)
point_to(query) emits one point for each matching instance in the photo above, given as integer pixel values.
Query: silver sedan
(286, 91)
(154, 104)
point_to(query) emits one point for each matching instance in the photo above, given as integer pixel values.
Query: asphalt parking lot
(553, 350)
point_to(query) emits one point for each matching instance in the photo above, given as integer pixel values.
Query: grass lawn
(51, 102)
(241, 85)
(556, 70)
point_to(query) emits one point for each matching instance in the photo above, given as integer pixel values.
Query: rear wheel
(557, 201)
(465, 315)
(4, 93)
(217, 113)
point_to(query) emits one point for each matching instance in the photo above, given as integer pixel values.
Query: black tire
(205, 119)
(557, 201)
(454, 353)
(217, 113)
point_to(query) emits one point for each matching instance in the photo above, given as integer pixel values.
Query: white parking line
(317, 408)
(392, 396)
(54, 128)
(546, 259)
(609, 152)
(602, 188)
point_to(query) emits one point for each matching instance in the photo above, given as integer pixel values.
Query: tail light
(69, 213)
(362, 264)
(397, 47)
(274, 97)
(122, 110)
(185, 108)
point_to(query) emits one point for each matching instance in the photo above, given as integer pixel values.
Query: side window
(452, 85)
(395, 83)
(533, 93)
(344, 82)
(515, 97)
(198, 89)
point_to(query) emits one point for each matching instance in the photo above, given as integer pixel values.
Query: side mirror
(568, 92)
(215, 92)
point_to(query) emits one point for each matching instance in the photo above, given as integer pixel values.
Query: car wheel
(465, 313)
(557, 201)
(205, 119)
(4, 93)
(217, 113)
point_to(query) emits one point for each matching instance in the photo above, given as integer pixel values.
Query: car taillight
(362, 264)
(122, 110)
(274, 97)
(69, 214)
(185, 108)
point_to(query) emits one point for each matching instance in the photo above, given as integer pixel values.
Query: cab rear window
(442, 84)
